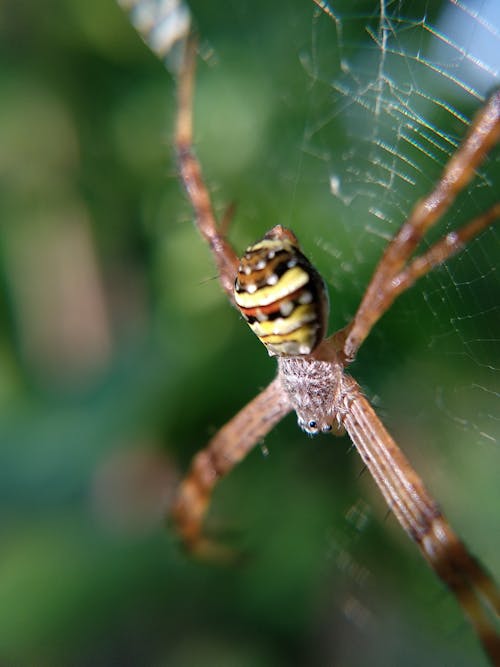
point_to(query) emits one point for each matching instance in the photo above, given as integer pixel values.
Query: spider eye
(327, 428)
(312, 424)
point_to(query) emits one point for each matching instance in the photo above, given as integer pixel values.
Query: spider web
(393, 89)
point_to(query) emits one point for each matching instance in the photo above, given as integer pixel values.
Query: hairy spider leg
(420, 516)
(227, 448)
(191, 174)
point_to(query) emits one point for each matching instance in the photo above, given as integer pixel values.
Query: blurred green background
(119, 356)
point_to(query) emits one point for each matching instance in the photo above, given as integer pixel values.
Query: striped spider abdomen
(281, 295)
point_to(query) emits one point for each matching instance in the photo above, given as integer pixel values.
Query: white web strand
(392, 95)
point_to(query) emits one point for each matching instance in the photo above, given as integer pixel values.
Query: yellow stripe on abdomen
(290, 282)
(285, 325)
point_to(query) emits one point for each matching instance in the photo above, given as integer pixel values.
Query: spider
(283, 299)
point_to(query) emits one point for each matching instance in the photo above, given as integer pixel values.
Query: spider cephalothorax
(314, 388)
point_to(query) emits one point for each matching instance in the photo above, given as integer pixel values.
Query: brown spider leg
(420, 517)
(225, 257)
(442, 250)
(227, 448)
(438, 253)
(483, 134)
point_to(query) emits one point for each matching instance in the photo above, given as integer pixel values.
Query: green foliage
(119, 356)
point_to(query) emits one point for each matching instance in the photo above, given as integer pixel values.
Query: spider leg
(442, 250)
(225, 257)
(483, 134)
(227, 448)
(421, 518)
